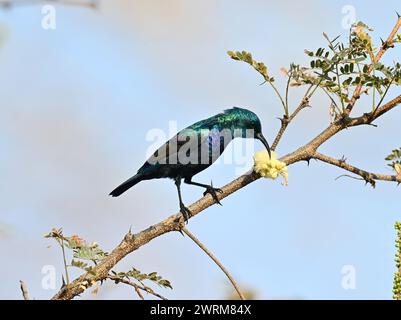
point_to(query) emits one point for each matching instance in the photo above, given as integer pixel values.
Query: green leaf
(78, 264)
(309, 53)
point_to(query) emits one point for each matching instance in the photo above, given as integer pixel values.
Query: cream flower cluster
(270, 167)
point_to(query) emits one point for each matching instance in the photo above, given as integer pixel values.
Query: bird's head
(249, 122)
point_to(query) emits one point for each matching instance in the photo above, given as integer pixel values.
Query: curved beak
(260, 137)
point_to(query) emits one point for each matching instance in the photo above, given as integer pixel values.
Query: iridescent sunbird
(194, 149)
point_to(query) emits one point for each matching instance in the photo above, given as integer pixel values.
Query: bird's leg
(184, 210)
(209, 189)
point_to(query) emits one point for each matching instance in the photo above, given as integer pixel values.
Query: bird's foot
(186, 213)
(213, 192)
(180, 223)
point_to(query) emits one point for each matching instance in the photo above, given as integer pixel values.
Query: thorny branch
(365, 175)
(132, 242)
(285, 121)
(138, 288)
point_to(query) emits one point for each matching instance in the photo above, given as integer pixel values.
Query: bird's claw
(186, 213)
(180, 231)
(213, 192)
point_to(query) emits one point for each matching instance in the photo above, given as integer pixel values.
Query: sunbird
(194, 149)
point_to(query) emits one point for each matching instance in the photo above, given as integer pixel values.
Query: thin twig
(65, 261)
(279, 95)
(24, 290)
(202, 246)
(349, 176)
(369, 177)
(137, 287)
(285, 121)
(287, 87)
(384, 94)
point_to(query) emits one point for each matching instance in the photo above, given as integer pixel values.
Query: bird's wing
(178, 147)
(186, 146)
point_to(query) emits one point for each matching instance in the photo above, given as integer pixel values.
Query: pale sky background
(78, 101)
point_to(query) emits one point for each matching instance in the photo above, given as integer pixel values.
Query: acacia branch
(136, 287)
(384, 47)
(285, 121)
(220, 265)
(365, 175)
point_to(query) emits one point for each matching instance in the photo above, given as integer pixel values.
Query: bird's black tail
(126, 185)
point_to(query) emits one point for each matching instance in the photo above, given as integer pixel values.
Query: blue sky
(78, 101)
